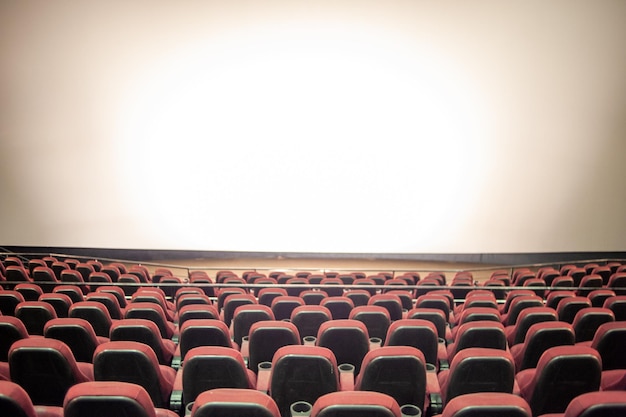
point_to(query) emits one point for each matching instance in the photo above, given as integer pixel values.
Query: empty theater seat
(562, 373)
(398, 371)
(354, 404)
(348, 340)
(487, 404)
(144, 331)
(539, 338)
(136, 363)
(46, 369)
(107, 399)
(266, 337)
(596, 404)
(15, 402)
(77, 334)
(302, 373)
(227, 402)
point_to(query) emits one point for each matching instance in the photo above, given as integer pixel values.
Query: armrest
(442, 355)
(176, 398)
(375, 343)
(176, 359)
(245, 349)
(434, 400)
(346, 377)
(264, 376)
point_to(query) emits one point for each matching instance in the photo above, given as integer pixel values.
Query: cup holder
(410, 410)
(346, 367)
(300, 409)
(265, 366)
(309, 340)
(188, 408)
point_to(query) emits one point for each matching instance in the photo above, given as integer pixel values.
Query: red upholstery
(477, 370)
(539, 338)
(15, 402)
(11, 330)
(110, 302)
(153, 312)
(105, 399)
(517, 305)
(45, 277)
(247, 315)
(478, 334)
(144, 331)
(202, 332)
(266, 337)
(283, 306)
(596, 404)
(290, 382)
(95, 313)
(115, 290)
(610, 342)
(60, 302)
(46, 368)
(72, 291)
(587, 321)
(34, 315)
(31, 292)
(376, 319)
(209, 367)
(197, 311)
(77, 334)
(348, 339)
(371, 404)
(487, 404)
(309, 318)
(563, 372)
(421, 334)
(568, 307)
(391, 302)
(234, 402)
(517, 333)
(398, 371)
(136, 363)
(8, 301)
(232, 302)
(339, 307)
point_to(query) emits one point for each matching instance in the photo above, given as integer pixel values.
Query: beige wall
(325, 126)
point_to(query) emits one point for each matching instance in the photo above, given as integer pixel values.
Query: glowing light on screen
(301, 137)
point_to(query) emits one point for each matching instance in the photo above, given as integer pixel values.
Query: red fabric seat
(15, 402)
(107, 399)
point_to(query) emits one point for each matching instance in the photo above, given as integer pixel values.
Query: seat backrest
(283, 305)
(116, 291)
(232, 302)
(597, 404)
(360, 297)
(421, 334)
(105, 399)
(519, 304)
(203, 332)
(245, 316)
(95, 313)
(478, 370)
(539, 338)
(398, 371)
(143, 331)
(527, 318)
(610, 342)
(31, 292)
(77, 334)
(15, 402)
(347, 339)
(479, 334)
(72, 291)
(302, 373)
(487, 404)
(376, 319)
(563, 373)
(34, 315)
(44, 275)
(197, 311)
(228, 402)
(209, 367)
(45, 368)
(11, 330)
(266, 337)
(587, 321)
(110, 302)
(8, 301)
(568, 307)
(60, 302)
(132, 362)
(339, 306)
(391, 302)
(617, 305)
(153, 312)
(309, 318)
(355, 404)
(434, 315)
